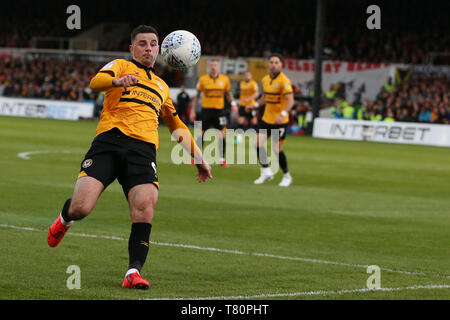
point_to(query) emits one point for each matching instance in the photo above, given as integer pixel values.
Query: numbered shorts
(273, 129)
(213, 118)
(114, 155)
(248, 115)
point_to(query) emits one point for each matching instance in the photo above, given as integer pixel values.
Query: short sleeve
(200, 86)
(287, 87)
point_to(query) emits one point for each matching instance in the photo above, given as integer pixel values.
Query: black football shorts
(213, 118)
(246, 114)
(115, 155)
(271, 129)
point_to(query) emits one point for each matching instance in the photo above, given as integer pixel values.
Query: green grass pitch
(352, 204)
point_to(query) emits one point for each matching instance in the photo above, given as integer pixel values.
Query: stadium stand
(242, 31)
(425, 98)
(415, 36)
(47, 78)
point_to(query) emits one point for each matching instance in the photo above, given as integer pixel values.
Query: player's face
(145, 48)
(247, 76)
(214, 67)
(275, 65)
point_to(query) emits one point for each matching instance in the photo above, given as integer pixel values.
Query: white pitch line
(267, 255)
(311, 293)
(26, 155)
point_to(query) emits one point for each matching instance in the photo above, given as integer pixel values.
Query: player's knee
(79, 210)
(142, 200)
(143, 213)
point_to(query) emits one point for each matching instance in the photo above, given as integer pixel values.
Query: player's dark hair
(279, 56)
(142, 29)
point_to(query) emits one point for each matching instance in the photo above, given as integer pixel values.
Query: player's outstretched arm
(103, 81)
(184, 137)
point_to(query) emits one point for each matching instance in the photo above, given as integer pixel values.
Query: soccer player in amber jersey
(214, 86)
(278, 97)
(249, 91)
(125, 148)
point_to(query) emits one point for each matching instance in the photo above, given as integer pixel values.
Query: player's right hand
(252, 107)
(125, 81)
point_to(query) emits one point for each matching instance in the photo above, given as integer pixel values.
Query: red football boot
(56, 232)
(135, 281)
(223, 163)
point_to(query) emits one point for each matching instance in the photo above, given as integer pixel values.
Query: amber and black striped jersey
(134, 111)
(274, 92)
(248, 89)
(214, 90)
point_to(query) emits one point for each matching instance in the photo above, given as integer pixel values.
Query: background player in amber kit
(214, 86)
(279, 99)
(249, 91)
(125, 148)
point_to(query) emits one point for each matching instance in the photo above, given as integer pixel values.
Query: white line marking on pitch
(26, 155)
(267, 255)
(311, 293)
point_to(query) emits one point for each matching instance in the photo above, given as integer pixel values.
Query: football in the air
(181, 50)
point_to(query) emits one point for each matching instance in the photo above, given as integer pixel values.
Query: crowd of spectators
(409, 30)
(409, 33)
(47, 78)
(56, 79)
(425, 98)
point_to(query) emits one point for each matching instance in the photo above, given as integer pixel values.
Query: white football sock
(132, 271)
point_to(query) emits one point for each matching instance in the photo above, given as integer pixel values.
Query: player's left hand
(203, 171)
(279, 119)
(249, 108)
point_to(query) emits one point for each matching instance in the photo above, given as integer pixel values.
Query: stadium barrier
(392, 132)
(43, 108)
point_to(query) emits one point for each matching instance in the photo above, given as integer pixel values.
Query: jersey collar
(275, 76)
(214, 78)
(147, 69)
